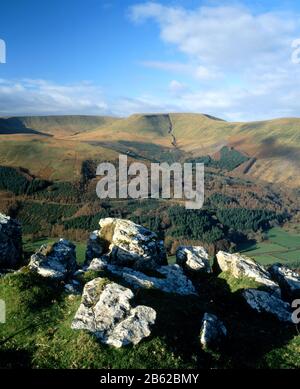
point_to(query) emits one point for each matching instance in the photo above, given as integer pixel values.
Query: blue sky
(231, 59)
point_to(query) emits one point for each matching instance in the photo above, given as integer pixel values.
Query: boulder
(172, 278)
(94, 247)
(106, 311)
(57, 261)
(10, 243)
(265, 302)
(213, 331)
(97, 264)
(193, 258)
(240, 266)
(288, 280)
(129, 244)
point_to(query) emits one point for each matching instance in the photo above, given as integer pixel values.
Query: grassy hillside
(54, 125)
(135, 127)
(273, 145)
(50, 158)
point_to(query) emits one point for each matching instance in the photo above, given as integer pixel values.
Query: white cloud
(196, 71)
(221, 36)
(28, 96)
(242, 60)
(238, 66)
(177, 88)
(42, 97)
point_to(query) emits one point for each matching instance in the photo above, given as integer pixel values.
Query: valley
(48, 183)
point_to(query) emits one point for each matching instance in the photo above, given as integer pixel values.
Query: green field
(281, 246)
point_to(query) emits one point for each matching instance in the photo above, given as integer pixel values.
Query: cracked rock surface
(106, 311)
(193, 258)
(127, 244)
(56, 261)
(265, 302)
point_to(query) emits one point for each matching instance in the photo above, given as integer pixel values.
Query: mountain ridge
(273, 144)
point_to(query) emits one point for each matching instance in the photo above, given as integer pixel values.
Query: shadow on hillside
(250, 335)
(16, 126)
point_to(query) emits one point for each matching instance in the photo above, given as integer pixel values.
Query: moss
(236, 284)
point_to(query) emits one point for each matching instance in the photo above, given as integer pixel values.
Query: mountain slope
(273, 145)
(53, 125)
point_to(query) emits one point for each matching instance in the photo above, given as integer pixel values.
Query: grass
(237, 284)
(281, 246)
(37, 333)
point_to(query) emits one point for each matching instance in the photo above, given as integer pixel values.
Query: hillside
(53, 125)
(273, 145)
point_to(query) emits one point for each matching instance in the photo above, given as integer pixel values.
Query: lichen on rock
(106, 311)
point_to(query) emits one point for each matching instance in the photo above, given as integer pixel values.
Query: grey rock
(133, 329)
(213, 331)
(57, 261)
(10, 243)
(131, 245)
(288, 280)
(106, 312)
(193, 258)
(173, 279)
(97, 264)
(241, 266)
(265, 302)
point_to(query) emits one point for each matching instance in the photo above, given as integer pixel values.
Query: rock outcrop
(128, 244)
(288, 280)
(10, 243)
(193, 258)
(264, 302)
(98, 264)
(106, 311)
(56, 261)
(240, 266)
(173, 279)
(213, 331)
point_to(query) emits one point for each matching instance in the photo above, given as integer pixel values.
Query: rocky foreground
(123, 258)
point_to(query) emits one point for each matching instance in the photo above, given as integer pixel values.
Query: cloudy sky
(238, 60)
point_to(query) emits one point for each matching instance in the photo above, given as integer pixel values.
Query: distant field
(281, 246)
(30, 247)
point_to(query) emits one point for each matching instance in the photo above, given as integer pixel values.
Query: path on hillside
(174, 141)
